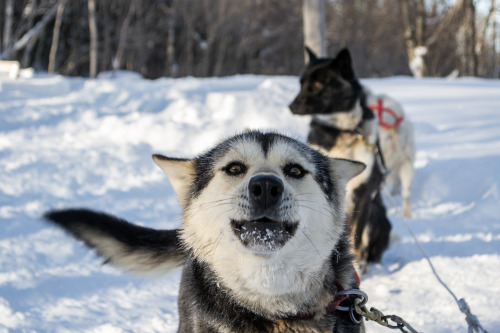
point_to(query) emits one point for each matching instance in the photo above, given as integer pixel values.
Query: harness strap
(380, 109)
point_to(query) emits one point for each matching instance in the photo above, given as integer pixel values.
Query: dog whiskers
(310, 241)
(329, 215)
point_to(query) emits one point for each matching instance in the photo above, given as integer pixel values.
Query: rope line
(472, 320)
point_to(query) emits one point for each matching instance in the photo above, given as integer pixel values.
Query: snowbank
(71, 142)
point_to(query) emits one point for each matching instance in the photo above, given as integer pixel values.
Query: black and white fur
(343, 126)
(262, 241)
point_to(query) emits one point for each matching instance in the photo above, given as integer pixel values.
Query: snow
(73, 142)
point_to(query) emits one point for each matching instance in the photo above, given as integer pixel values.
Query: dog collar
(330, 308)
(326, 124)
(341, 296)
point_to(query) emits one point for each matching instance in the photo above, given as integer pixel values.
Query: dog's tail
(120, 243)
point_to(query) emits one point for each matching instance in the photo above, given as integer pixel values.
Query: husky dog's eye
(235, 168)
(318, 85)
(294, 171)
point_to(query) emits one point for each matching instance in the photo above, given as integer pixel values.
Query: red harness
(387, 118)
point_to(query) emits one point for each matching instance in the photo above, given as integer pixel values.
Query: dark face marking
(204, 164)
(266, 141)
(205, 170)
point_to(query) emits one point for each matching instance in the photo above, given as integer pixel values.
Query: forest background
(176, 38)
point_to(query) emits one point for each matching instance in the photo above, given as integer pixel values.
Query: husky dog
(344, 126)
(398, 144)
(262, 243)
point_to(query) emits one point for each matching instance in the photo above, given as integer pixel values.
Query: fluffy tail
(122, 244)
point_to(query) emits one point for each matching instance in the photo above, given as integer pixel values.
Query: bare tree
(7, 30)
(416, 49)
(225, 37)
(496, 67)
(32, 9)
(459, 22)
(93, 38)
(171, 63)
(55, 37)
(32, 34)
(482, 39)
(466, 38)
(313, 12)
(118, 59)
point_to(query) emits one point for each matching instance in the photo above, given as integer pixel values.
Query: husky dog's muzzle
(265, 230)
(300, 106)
(266, 192)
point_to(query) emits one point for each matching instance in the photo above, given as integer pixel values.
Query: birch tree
(32, 8)
(416, 49)
(313, 12)
(31, 34)
(93, 39)
(118, 59)
(55, 37)
(7, 29)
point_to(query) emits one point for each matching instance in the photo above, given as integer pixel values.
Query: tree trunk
(415, 41)
(466, 40)
(481, 39)
(29, 48)
(190, 39)
(172, 66)
(7, 27)
(93, 39)
(496, 68)
(55, 37)
(118, 60)
(107, 50)
(313, 12)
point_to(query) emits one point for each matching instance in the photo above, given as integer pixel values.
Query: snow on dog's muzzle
(263, 235)
(264, 230)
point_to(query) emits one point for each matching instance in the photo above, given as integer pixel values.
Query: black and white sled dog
(344, 126)
(263, 242)
(398, 144)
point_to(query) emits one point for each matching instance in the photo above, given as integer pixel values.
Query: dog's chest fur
(203, 295)
(343, 137)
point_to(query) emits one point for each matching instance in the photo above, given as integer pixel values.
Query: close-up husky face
(261, 209)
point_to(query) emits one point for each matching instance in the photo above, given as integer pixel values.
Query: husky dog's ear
(345, 170)
(180, 172)
(344, 63)
(311, 54)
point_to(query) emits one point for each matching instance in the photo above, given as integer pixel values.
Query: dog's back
(398, 145)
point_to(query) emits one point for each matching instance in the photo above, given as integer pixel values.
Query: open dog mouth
(263, 235)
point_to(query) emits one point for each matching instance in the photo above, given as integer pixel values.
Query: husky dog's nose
(265, 191)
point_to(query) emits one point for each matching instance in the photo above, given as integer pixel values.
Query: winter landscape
(73, 142)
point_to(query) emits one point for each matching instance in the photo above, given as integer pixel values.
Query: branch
(491, 15)
(451, 15)
(32, 34)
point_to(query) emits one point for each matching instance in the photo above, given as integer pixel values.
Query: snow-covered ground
(72, 142)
